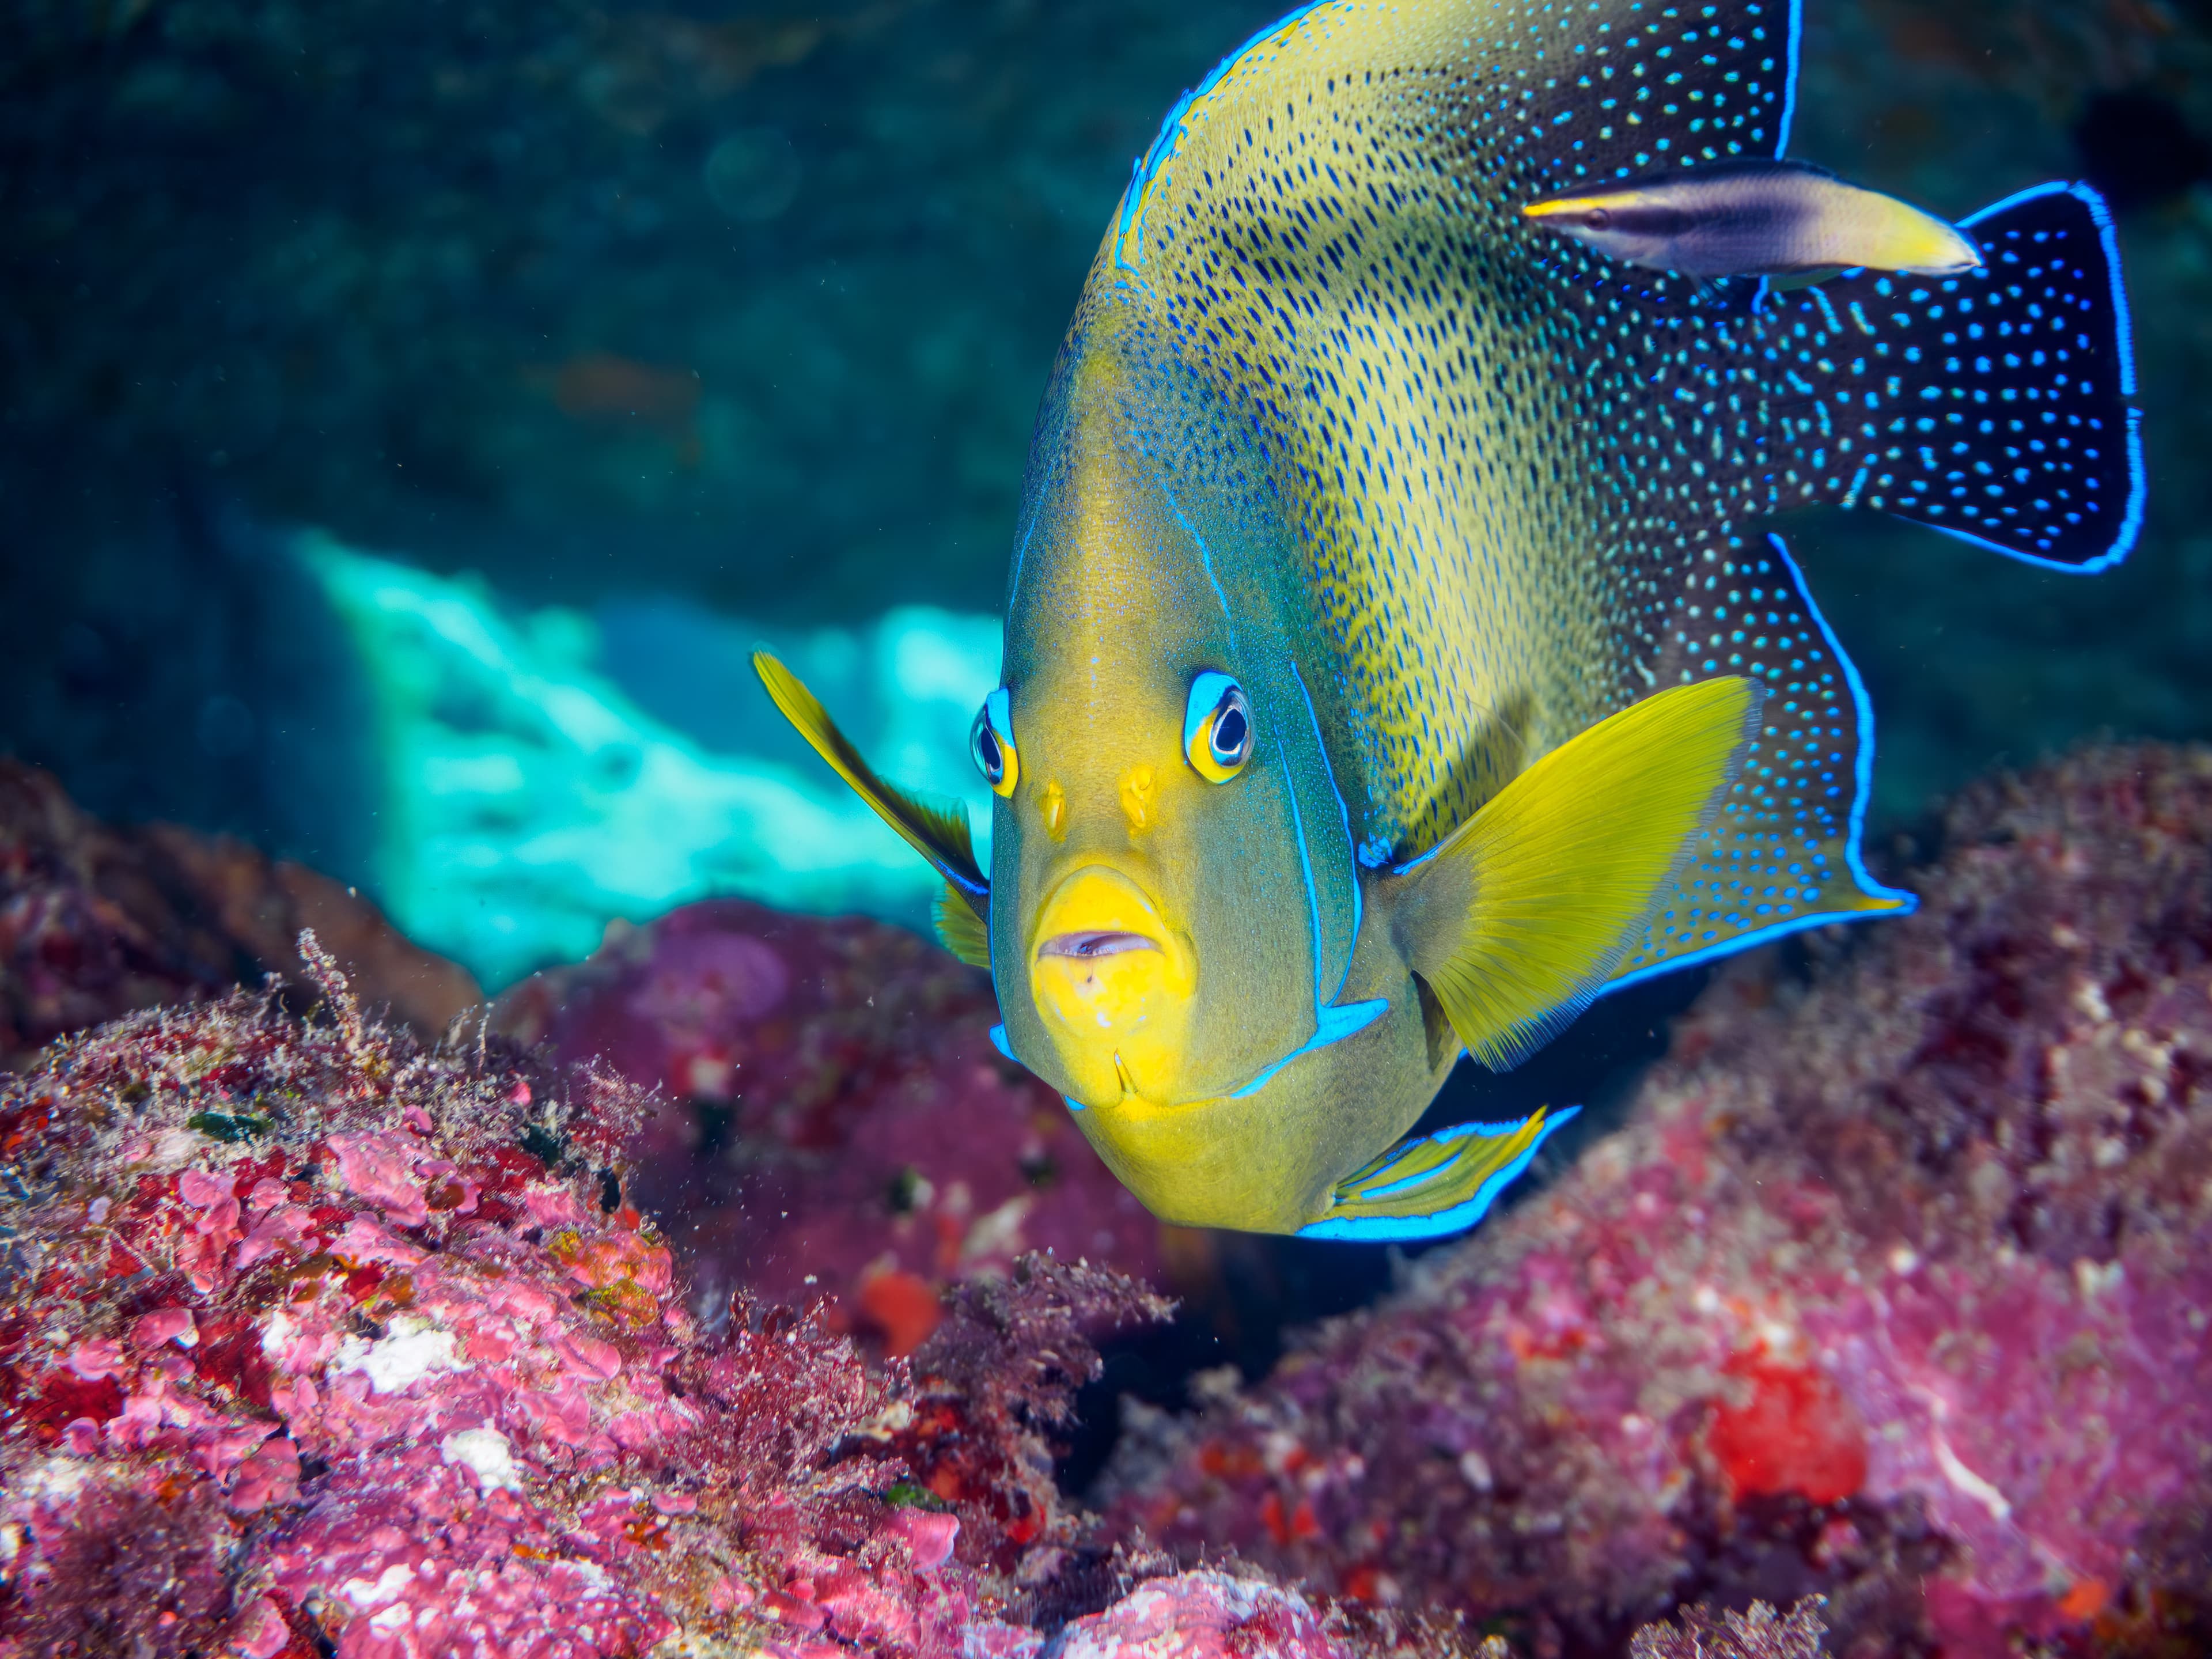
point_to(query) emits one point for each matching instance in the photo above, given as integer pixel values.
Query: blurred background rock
(624, 335)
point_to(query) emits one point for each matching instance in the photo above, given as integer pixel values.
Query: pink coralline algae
(838, 1120)
(315, 1341)
(1897, 1286)
(1215, 1615)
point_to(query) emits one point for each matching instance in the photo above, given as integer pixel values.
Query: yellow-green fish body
(1393, 664)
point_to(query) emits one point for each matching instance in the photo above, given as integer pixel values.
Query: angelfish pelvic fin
(1521, 916)
(959, 929)
(1432, 1185)
(936, 830)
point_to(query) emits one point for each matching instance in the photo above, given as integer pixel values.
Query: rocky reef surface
(835, 1117)
(96, 922)
(318, 1341)
(1886, 1302)
(1894, 1287)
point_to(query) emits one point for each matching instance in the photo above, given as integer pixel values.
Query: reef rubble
(1893, 1288)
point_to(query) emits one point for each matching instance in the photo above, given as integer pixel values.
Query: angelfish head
(1153, 936)
(1147, 942)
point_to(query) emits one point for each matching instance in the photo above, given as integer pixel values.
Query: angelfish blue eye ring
(991, 742)
(1217, 727)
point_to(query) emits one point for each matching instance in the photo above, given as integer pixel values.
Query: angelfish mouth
(1086, 946)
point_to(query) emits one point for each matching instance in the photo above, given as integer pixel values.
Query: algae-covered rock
(1892, 1287)
(835, 1115)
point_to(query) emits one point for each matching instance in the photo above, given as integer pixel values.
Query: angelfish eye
(1597, 219)
(991, 742)
(1216, 727)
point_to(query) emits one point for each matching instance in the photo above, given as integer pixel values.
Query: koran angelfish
(1397, 658)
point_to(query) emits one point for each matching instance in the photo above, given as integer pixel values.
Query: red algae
(836, 1120)
(1796, 1432)
(1891, 1288)
(317, 1341)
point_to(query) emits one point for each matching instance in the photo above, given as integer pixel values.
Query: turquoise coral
(528, 801)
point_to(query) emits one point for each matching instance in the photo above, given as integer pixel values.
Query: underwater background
(414, 416)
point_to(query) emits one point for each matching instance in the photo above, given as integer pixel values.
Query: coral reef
(313, 1339)
(838, 1118)
(527, 799)
(1758, 1632)
(1892, 1287)
(96, 921)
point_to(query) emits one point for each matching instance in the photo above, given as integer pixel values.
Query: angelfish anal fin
(1519, 918)
(936, 830)
(1432, 1185)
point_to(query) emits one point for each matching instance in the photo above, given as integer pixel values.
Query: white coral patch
(412, 1349)
(364, 1595)
(488, 1452)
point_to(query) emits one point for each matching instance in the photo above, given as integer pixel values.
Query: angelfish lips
(1114, 986)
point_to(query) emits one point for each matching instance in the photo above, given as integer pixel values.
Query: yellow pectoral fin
(959, 929)
(1436, 1184)
(939, 831)
(1519, 918)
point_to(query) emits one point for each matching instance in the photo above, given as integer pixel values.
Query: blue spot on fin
(1432, 1185)
(1784, 854)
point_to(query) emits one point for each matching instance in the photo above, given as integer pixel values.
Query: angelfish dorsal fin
(1519, 918)
(938, 832)
(1432, 1185)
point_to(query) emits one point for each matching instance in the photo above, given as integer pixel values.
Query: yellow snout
(1113, 986)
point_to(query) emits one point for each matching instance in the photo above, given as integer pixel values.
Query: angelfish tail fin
(1432, 1185)
(1997, 406)
(1518, 919)
(938, 830)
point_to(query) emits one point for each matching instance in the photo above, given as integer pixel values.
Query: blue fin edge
(1862, 791)
(1387, 1229)
(1147, 167)
(2100, 215)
